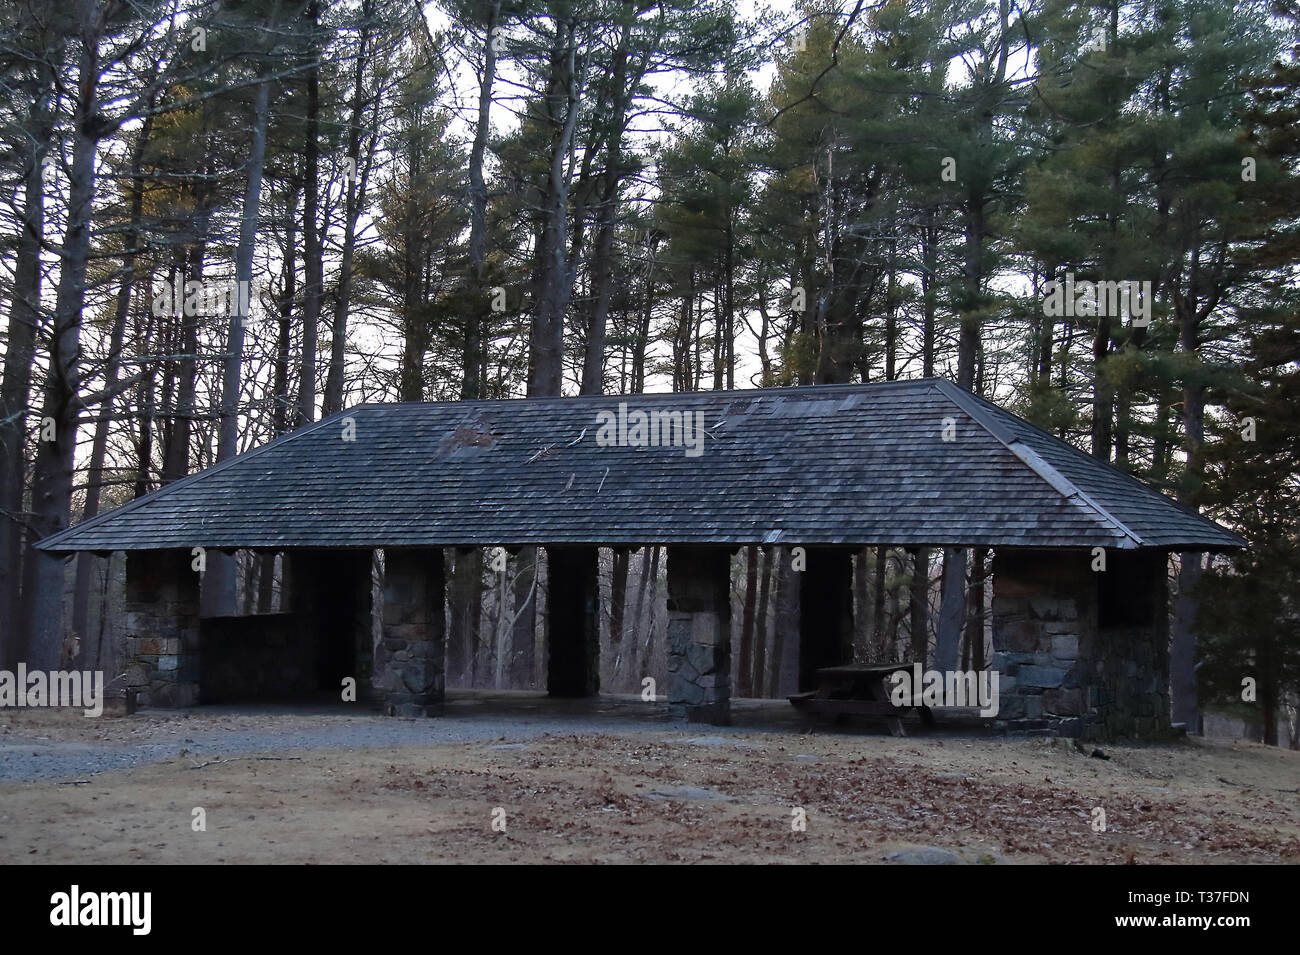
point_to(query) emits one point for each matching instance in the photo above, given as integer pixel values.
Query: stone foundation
(410, 659)
(161, 650)
(1069, 662)
(699, 634)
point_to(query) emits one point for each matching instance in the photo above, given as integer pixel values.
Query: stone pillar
(825, 613)
(573, 634)
(411, 656)
(330, 594)
(1081, 652)
(162, 628)
(699, 634)
(362, 624)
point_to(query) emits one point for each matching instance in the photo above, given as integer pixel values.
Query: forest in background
(225, 220)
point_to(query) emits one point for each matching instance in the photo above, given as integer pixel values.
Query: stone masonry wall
(1059, 670)
(410, 668)
(699, 634)
(161, 649)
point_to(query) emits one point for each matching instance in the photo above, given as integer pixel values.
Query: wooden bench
(858, 690)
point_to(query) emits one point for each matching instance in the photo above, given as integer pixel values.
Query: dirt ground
(659, 792)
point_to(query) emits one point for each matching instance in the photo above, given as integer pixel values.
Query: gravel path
(31, 758)
(33, 749)
(77, 748)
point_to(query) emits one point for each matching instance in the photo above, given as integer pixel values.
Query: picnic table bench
(858, 689)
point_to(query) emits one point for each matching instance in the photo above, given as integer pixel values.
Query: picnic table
(858, 689)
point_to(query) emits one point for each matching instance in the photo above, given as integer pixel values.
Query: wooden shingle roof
(835, 464)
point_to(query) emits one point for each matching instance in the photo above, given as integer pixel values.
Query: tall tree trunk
(646, 603)
(642, 337)
(147, 414)
(878, 593)
(1182, 647)
(1103, 402)
(764, 655)
(280, 373)
(176, 456)
(919, 604)
(99, 446)
(969, 332)
(593, 369)
(523, 629)
(250, 568)
(635, 659)
(719, 342)
(554, 289)
(919, 599)
(1103, 393)
(1182, 644)
(357, 180)
(1123, 428)
(891, 311)
(618, 594)
(1044, 333)
(785, 673)
(284, 330)
(466, 599)
(975, 625)
(952, 609)
(313, 255)
(862, 620)
(471, 372)
(745, 665)
(682, 338)
(952, 605)
(546, 340)
(766, 377)
(15, 392)
(1268, 701)
(219, 581)
(53, 475)
(729, 302)
(929, 295)
(472, 365)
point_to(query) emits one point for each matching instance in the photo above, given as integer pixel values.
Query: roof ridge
(776, 391)
(1031, 458)
(187, 480)
(1124, 475)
